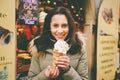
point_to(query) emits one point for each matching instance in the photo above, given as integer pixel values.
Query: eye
(55, 25)
(64, 25)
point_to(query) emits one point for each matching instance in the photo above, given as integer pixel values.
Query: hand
(52, 72)
(62, 62)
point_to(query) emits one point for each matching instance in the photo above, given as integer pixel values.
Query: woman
(59, 25)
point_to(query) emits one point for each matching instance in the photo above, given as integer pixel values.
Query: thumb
(47, 71)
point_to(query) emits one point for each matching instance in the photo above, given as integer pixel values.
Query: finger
(47, 72)
(63, 58)
(57, 71)
(62, 62)
(49, 68)
(56, 74)
(52, 72)
(62, 66)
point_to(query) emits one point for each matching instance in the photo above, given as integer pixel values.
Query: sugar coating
(61, 46)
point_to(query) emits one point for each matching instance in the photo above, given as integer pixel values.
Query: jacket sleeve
(35, 72)
(81, 73)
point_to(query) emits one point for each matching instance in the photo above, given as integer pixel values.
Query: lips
(60, 36)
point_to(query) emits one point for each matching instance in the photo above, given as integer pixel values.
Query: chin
(59, 39)
(5, 36)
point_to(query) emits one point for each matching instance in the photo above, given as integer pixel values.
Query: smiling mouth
(59, 37)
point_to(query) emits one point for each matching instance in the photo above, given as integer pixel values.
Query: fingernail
(56, 67)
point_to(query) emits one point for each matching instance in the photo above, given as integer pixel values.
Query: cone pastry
(60, 49)
(55, 55)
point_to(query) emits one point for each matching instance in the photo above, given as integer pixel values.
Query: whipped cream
(61, 46)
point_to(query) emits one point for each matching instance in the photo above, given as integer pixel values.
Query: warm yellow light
(72, 7)
(48, 1)
(77, 15)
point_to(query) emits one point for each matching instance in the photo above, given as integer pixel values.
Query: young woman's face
(59, 27)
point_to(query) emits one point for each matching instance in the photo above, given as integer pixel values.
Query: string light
(72, 7)
(81, 9)
(48, 1)
(77, 15)
(54, 3)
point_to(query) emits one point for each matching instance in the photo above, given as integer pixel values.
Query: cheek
(53, 31)
(67, 31)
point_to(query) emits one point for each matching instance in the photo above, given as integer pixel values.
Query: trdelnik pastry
(5, 36)
(60, 48)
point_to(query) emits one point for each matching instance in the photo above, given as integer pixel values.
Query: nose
(60, 30)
